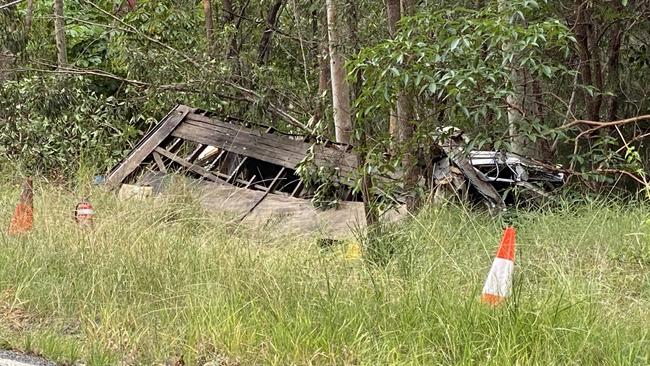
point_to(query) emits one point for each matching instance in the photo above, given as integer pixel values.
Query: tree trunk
(613, 70)
(406, 132)
(29, 16)
(589, 75)
(59, 33)
(264, 48)
(340, 87)
(234, 50)
(524, 106)
(322, 55)
(209, 25)
(394, 13)
(228, 13)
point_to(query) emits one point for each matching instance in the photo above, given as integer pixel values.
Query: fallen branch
(600, 125)
(624, 172)
(11, 4)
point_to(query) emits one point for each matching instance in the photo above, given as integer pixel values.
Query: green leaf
(454, 44)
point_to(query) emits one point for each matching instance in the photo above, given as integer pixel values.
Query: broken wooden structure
(246, 169)
(230, 151)
(249, 170)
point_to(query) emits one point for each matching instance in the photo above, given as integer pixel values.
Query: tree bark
(29, 16)
(394, 13)
(264, 48)
(321, 50)
(406, 132)
(340, 87)
(59, 34)
(588, 74)
(228, 13)
(613, 70)
(209, 25)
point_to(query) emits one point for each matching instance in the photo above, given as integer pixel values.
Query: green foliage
(458, 64)
(323, 180)
(461, 61)
(54, 124)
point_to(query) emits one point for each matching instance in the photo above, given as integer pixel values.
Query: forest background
(555, 80)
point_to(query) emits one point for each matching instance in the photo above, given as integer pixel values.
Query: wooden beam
(189, 166)
(215, 177)
(298, 190)
(216, 160)
(274, 182)
(485, 189)
(233, 175)
(146, 146)
(270, 189)
(195, 154)
(276, 149)
(175, 145)
(251, 181)
(159, 162)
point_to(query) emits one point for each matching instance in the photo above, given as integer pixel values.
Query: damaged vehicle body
(490, 176)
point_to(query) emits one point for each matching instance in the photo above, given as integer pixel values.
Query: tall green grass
(160, 279)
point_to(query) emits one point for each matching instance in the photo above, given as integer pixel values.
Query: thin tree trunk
(264, 48)
(588, 74)
(394, 13)
(406, 127)
(322, 56)
(209, 25)
(228, 13)
(613, 71)
(29, 16)
(59, 33)
(340, 87)
(234, 51)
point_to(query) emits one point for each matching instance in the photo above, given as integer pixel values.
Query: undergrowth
(160, 280)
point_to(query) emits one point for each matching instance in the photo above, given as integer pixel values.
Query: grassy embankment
(159, 280)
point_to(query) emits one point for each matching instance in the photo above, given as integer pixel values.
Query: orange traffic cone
(499, 281)
(83, 213)
(23, 218)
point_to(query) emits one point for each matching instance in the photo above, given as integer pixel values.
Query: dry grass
(158, 281)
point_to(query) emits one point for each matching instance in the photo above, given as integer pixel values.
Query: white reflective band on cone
(499, 279)
(85, 211)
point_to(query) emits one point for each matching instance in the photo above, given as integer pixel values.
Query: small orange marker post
(23, 220)
(84, 213)
(499, 282)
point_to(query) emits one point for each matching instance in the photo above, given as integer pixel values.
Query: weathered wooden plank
(235, 172)
(189, 166)
(298, 190)
(270, 189)
(159, 162)
(237, 145)
(328, 152)
(273, 148)
(216, 160)
(146, 146)
(291, 217)
(214, 177)
(195, 154)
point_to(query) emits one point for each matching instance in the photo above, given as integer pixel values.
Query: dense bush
(54, 124)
